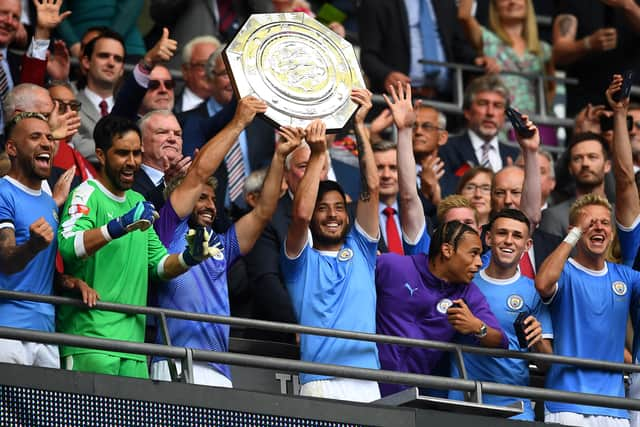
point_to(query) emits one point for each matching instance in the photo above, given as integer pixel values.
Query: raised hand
(401, 106)
(162, 51)
(247, 109)
(291, 138)
(63, 125)
(140, 217)
(396, 77)
(59, 62)
(532, 143)
(48, 17)
(533, 331)
(200, 246)
(603, 39)
(615, 86)
(178, 168)
(63, 186)
(40, 234)
(362, 97)
(432, 171)
(316, 136)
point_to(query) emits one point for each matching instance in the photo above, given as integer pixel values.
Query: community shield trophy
(299, 67)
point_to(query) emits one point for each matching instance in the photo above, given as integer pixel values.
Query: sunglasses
(63, 105)
(155, 84)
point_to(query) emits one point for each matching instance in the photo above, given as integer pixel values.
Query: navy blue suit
(459, 151)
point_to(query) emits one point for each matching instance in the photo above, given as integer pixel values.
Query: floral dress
(522, 90)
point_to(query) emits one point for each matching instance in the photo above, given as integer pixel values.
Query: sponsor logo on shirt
(411, 290)
(619, 288)
(515, 302)
(443, 305)
(345, 254)
(78, 209)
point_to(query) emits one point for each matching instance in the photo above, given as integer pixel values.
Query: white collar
(190, 100)
(478, 142)
(501, 282)
(96, 99)
(23, 187)
(154, 174)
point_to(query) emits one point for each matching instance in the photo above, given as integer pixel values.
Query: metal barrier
(188, 355)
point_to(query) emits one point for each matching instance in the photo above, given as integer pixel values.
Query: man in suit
(104, 58)
(162, 157)
(393, 39)
(192, 18)
(485, 99)
(386, 158)
(197, 87)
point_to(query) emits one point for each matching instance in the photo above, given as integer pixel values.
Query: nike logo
(411, 290)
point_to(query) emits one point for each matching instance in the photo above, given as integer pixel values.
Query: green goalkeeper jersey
(119, 271)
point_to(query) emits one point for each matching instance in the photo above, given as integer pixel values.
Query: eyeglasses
(426, 126)
(471, 188)
(63, 105)
(155, 84)
(198, 65)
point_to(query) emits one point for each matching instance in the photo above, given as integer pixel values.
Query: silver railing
(475, 389)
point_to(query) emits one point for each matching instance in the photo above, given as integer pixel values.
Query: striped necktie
(235, 171)
(4, 80)
(486, 148)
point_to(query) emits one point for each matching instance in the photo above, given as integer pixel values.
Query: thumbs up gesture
(162, 51)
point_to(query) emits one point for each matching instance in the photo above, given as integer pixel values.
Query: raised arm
(304, 201)
(250, 226)
(627, 201)
(551, 269)
(470, 25)
(412, 217)
(629, 9)
(367, 209)
(184, 197)
(531, 199)
(567, 50)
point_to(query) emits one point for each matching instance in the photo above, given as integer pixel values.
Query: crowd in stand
(122, 187)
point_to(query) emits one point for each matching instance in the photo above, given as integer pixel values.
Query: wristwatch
(482, 332)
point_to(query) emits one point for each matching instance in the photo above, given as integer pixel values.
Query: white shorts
(573, 419)
(634, 393)
(29, 353)
(342, 389)
(203, 374)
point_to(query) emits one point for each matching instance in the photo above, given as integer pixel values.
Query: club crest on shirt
(345, 254)
(443, 305)
(619, 288)
(515, 302)
(55, 215)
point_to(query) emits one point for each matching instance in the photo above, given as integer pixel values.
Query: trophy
(299, 67)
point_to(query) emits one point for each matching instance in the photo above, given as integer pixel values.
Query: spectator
(593, 40)
(348, 255)
(485, 99)
(105, 240)
(120, 16)
(160, 91)
(392, 45)
(190, 204)
(28, 225)
(188, 19)
(416, 296)
(588, 298)
(104, 58)
(512, 39)
(386, 158)
(588, 155)
(508, 238)
(475, 185)
(162, 158)
(197, 88)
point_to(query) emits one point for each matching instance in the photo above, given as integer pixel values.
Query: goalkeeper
(191, 204)
(106, 239)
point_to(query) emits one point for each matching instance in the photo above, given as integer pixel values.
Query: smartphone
(518, 123)
(519, 327)
(606, 123)
(625, 90)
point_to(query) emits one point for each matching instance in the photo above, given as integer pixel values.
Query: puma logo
(411, 290)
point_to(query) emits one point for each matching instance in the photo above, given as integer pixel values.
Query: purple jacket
(413, 303)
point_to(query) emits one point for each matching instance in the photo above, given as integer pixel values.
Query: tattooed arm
(566, 49)
(14, 258)
(367, 210)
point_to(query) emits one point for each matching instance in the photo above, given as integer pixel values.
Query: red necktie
(103, 108)
(394, 244)
(526, 268)
(227, 15)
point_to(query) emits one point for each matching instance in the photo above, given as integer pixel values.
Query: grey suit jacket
(89, 116)
(555, 220)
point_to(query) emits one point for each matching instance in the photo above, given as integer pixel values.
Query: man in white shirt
(197, 86)
(104, 58)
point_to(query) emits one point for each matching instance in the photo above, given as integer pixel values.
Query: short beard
(324, 240)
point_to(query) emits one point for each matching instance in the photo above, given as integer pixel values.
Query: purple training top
(413, 303)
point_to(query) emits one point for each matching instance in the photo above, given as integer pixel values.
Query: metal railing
(188, 355)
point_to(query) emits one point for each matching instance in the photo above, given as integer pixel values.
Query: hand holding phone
(519, 327)
(625, 90)
(518, 123)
